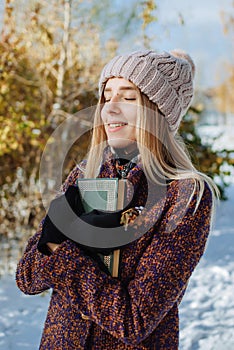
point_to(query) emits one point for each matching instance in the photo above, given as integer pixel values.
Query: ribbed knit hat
(167, 79)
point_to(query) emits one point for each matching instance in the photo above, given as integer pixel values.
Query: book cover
(99, 193)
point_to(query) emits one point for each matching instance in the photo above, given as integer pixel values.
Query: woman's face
(119, 113)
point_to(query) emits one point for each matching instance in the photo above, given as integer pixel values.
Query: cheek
(131, 114)
(104, 114)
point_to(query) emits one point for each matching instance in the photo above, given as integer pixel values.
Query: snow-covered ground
(207, 310)
(206, 313)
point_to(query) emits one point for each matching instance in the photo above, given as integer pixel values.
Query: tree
(47, 73)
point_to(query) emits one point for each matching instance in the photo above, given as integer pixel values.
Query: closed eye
(126, 99)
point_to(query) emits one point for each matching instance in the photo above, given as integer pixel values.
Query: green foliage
(21, 117)
(46, 74)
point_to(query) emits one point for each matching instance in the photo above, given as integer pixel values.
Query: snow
(21, 317)
(206, 312)
(219, 136)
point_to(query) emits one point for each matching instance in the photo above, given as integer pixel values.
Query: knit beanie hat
(167, 79)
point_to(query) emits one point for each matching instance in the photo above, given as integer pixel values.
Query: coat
(89, 309)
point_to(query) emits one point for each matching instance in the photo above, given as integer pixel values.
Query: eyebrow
(122, 88)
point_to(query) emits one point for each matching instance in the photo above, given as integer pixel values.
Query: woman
(143, 96)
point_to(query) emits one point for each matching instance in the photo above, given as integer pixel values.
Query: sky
(201, 35)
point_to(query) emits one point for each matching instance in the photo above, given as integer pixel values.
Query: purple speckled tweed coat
(89, 309)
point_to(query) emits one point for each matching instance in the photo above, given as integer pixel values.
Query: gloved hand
(61, 212)
(100, 218)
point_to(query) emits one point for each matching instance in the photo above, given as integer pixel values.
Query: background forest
(51, 55)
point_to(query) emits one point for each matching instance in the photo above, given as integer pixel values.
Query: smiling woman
(169, 206)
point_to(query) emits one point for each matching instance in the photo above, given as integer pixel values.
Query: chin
(121, 143)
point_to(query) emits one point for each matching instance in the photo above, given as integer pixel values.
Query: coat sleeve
(30, 276)
(132, 312)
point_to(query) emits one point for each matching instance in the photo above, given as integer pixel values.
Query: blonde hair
(162, 153)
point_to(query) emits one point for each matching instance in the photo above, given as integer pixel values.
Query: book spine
(120, 205)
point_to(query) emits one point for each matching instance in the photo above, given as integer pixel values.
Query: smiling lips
(116, 126)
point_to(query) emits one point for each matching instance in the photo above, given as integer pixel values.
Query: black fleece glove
(65, 209)
(101, 218)
(61, 212)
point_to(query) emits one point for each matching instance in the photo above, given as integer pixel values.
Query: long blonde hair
(163, 154)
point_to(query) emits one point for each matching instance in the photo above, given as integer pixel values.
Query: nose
(115, 98)
(113, 104)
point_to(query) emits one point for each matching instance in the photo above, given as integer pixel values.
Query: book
(98, 193)
(104, 194)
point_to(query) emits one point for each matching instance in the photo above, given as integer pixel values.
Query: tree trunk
(64, 54)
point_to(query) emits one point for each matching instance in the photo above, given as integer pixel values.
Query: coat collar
(108, 168)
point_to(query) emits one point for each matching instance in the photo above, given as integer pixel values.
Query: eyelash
(125, 98)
